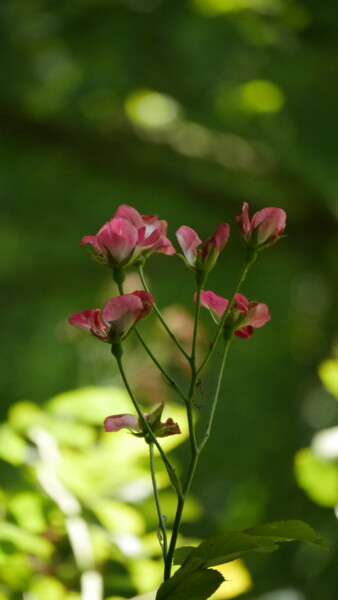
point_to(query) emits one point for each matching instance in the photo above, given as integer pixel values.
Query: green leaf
(286, 531)
(197, 586)
(225, 547)
(182, 553)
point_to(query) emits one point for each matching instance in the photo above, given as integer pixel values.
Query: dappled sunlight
(237, 580)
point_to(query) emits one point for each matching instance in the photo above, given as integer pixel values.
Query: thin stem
(166, 327)
(196, 451)
(216, 396)
(197, 314)
(171, 471)
(193, 442)
(167, 377)
(162, 532)
(213, 344)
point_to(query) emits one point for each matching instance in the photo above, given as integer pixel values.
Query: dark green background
(70, 156)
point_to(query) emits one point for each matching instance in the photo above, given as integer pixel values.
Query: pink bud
(189, 242)
(265, 228)
(202, 255)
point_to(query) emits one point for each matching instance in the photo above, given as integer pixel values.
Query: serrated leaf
(196, 586)
(286, 531)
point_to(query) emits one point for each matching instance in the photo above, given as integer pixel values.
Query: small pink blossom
(127, 236)
(202, 255)
(135, 425)
(243, 315)
(117, 319)
(265, 227)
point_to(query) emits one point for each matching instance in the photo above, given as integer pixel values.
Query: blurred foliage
(317, 467)
(78, 505)
(185, 109)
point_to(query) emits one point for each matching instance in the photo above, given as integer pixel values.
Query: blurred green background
(184, 109)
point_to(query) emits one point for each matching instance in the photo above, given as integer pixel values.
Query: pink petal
(221, 236)
(244, 332)
(270, 222)
(164, 246)
(147, 302)
(215, 303)
(120, 314)
(189, 241)
(87, 239)
(241, 303)
(117, 422)
(244, 221)
(130, 214)
(89, 320)
(258, 314)
(144, 241)
(152, 223)
(118, 237)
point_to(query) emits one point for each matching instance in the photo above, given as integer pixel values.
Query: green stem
(216, 396)
(197, 314)
(193, 441)
(171, 471)
(167, 377)
(166, 327)
(240, 280)
(162, 534)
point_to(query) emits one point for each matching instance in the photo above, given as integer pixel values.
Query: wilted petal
(117, 422)
(167, 428)
(189, 242)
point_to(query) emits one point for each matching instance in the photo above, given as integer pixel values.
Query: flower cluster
(129, 238)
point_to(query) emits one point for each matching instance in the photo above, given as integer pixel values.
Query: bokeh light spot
(262, 96)
(150, 109)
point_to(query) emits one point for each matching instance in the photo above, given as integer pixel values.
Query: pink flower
(117, 319)
(127, 236)
(243, 315)
(265, 228)
(134, 424)
(202, 255)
